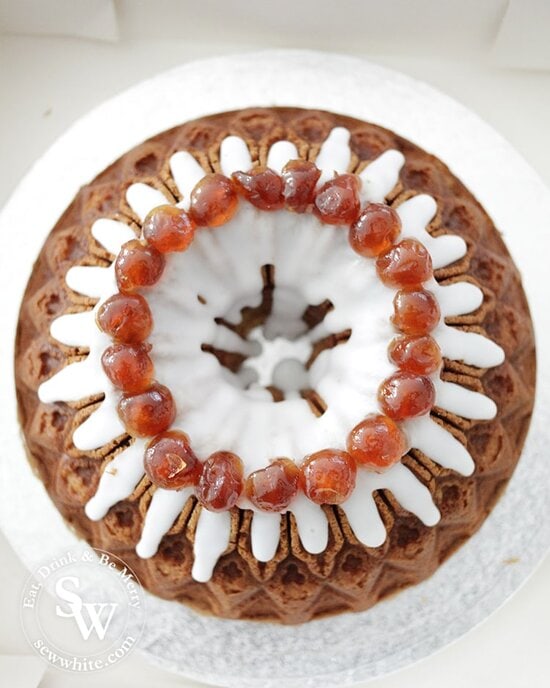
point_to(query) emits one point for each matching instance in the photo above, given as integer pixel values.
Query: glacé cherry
(214, 201)
(261, 187)
(375, 230)
(404, 395)
(420, 354)
(148, 413)
(272, 488)
(221, 482)
(300, 178)
(328, 476)
(170, 462)
(377, 442)
(415, 312)
(128, 366)
(138, 266)
(168, 228)
(408, 264)
(337, 201)
(126, 318)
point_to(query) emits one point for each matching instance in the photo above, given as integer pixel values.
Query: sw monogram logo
(90, 617)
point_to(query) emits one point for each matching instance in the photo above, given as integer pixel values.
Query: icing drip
(102, 427)
(362, 514)
(186, 172)
(464, 402)
(165, 507)
(312, 524)
(125, 470)
(111, 234)
(71, 383)
(280, 153)
(380, 176)
(458, 298)
(265, 534)
(234, 156)
(334, 155)
(142, 198)
(436, 442)
(211, 541)
(220, 409)
(416, 214)
(470, 347)
(361, 511)
(91, 280)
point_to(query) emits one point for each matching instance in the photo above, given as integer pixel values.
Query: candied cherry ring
(147, 408)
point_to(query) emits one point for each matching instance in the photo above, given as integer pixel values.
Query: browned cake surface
(295, 586)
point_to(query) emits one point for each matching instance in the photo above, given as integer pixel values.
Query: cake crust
(295, 586)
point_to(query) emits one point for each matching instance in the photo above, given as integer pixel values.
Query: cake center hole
(280, 363)
(273, 344)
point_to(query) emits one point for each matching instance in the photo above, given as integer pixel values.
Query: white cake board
(352, 647)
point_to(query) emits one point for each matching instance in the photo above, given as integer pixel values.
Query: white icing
(334, 156)
(409, 492)
(380, 176)
(234, 156)
(142, 198)
(118, 480)
(221, 410)
(464, 402)
(361, 510)
(458, 298)
(102, 427)
(362, 514)
(415, 214)
(211, 541)
(75, 381)
(165, 507)
(470, 347)
(73, 329)
(281, 361)
(112, 234)
(90, 280)
(439, 444)
(186, 172)
(265, 534)
(312, 524)
(280, 153)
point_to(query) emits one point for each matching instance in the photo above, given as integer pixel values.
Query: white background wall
(493, 56)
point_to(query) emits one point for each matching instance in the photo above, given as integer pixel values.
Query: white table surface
(47, 83)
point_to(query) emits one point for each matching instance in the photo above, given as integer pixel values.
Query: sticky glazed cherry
(300, 178)
(138, 266)
(337, 201)
(408, 264)
(328, 476)
(128, 366)
(377, 442)
(148, 413)
(170, 462)
(221, 482)
(214, 201)
(261, 187)
(168, 229)
(273, 488)
(420, 355)
(126, 318)
(415, 312)
(375, 230)
(404, 395)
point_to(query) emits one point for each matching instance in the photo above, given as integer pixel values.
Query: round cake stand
(352, 647)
